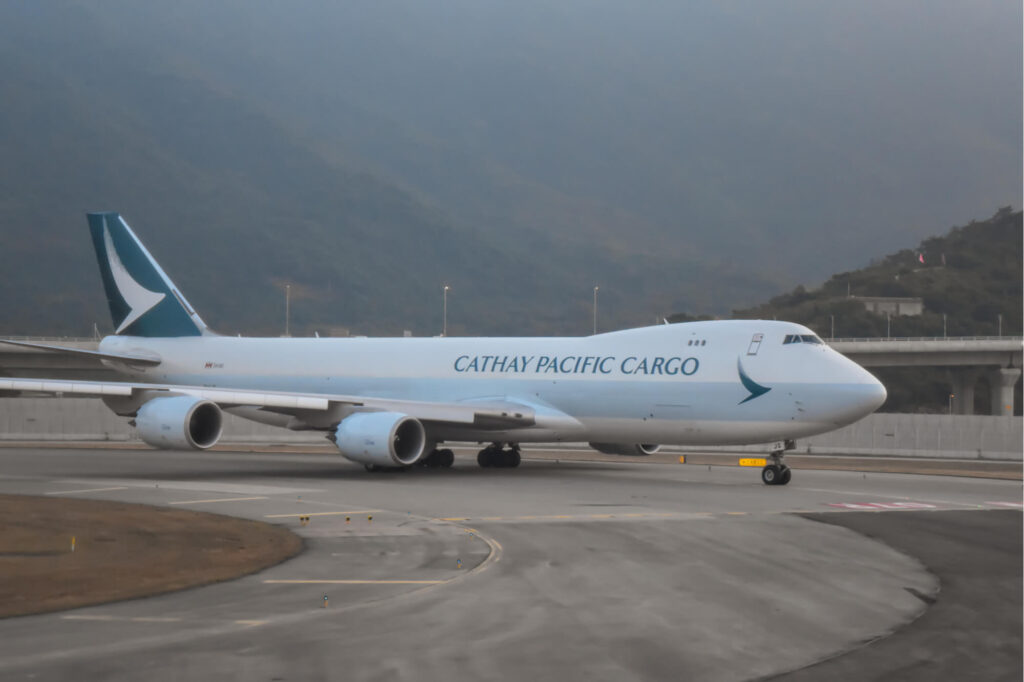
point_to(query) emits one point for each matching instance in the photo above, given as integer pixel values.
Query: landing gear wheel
(446, 458)
(498, 457)
(771, 474)
(785, 475)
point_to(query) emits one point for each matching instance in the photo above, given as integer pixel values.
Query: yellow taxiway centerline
(354, 582)
(335, 513)
(87, 490)
(222, 499)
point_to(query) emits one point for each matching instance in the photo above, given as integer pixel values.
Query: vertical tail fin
(143, 300)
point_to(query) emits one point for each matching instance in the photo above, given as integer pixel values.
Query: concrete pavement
(554, 570)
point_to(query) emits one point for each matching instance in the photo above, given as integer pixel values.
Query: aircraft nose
(858, 396)
(874, 396)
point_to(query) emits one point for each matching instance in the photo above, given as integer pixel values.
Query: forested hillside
(968, 278)
(971, 283)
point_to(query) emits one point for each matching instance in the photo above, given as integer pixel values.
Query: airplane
(392, 403)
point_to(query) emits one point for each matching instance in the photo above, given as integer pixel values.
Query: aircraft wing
(138, 358)
(482, 413)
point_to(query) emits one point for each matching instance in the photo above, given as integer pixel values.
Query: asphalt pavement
(555, 570)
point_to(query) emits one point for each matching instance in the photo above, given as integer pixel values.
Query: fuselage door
(755, 344)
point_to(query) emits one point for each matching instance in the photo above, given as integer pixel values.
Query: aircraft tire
(770, 475)
(484, 459)
(446, 458)
(512, 459)
(785, 475)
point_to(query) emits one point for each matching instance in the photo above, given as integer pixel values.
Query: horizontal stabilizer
(145, 359)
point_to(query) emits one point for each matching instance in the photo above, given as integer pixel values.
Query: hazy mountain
(682, 155)
(969, 280)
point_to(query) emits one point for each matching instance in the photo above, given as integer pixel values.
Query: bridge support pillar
(1002, 382)
(964, 382)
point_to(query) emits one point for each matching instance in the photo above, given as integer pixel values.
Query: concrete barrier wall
(88, 419)
(918, 435)
(904, 435)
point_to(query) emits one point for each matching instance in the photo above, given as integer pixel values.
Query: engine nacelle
(179, 422)
(626, 449)
(387, 439)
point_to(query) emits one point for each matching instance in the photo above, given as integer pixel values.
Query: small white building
(892, 305)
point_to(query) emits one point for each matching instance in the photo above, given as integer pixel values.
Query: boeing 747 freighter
(392, 403)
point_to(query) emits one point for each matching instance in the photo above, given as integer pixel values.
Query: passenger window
(755, 344)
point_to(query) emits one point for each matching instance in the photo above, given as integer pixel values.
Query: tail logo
(756, 389)
(140, 300)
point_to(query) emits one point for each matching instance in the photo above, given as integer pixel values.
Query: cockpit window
(801, 338)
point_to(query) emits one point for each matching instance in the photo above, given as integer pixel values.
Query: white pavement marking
(889, 495)
(222, 499)
(153, 619)
(232, 488)
(87, 490)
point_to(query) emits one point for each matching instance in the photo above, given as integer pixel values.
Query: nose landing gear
(776, 472)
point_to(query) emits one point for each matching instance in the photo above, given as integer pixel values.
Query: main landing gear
(496, 456)
(775, 472)
(436, 459)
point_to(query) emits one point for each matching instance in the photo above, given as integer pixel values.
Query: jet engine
(179, 422)
(627, 449)
(386, 439)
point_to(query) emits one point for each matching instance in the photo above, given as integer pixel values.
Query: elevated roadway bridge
(997, 359)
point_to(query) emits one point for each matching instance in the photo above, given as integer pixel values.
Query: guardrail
(884, 339)
(45, 339)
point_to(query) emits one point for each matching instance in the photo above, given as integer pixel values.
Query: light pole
(888, 325)
(833, 333)
(1000, 324)
(595, 307)
(943, 325)
(444, 310)
(951, 395)
(287, 309)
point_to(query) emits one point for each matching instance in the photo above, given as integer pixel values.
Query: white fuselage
(668, 384)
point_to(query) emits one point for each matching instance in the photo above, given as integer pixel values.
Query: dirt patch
(121, 551)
